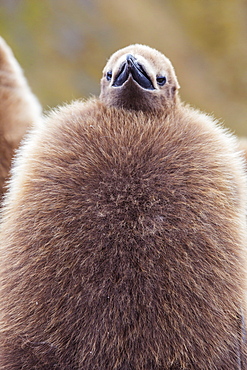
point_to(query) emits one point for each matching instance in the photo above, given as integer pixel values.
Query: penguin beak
(135, 70)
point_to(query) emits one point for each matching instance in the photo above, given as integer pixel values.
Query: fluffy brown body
(123, 244)
(18, 109)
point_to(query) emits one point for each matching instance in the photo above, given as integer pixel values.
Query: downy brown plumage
(19, 108)
(123, 234)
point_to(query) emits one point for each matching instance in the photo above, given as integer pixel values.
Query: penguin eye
(109, 76)
(161, 80)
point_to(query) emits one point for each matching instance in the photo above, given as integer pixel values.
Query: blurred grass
(63, 46)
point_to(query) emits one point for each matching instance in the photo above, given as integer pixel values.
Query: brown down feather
(123, 242)
(19, 108)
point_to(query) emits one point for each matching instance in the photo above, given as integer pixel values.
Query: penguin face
(140, 78)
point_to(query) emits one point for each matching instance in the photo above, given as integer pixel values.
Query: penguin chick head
(139, 78)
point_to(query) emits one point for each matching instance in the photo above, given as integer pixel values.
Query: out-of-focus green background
(63, 46)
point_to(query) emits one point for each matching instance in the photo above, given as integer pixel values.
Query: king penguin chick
(123, 234)
(19, 108)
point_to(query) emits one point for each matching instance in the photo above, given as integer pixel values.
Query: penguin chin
(132, 96)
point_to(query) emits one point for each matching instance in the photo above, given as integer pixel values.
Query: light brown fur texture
(123, 243)
(19, 108)
(242, 142)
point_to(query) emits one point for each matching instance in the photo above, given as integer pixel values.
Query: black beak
(131, 67)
